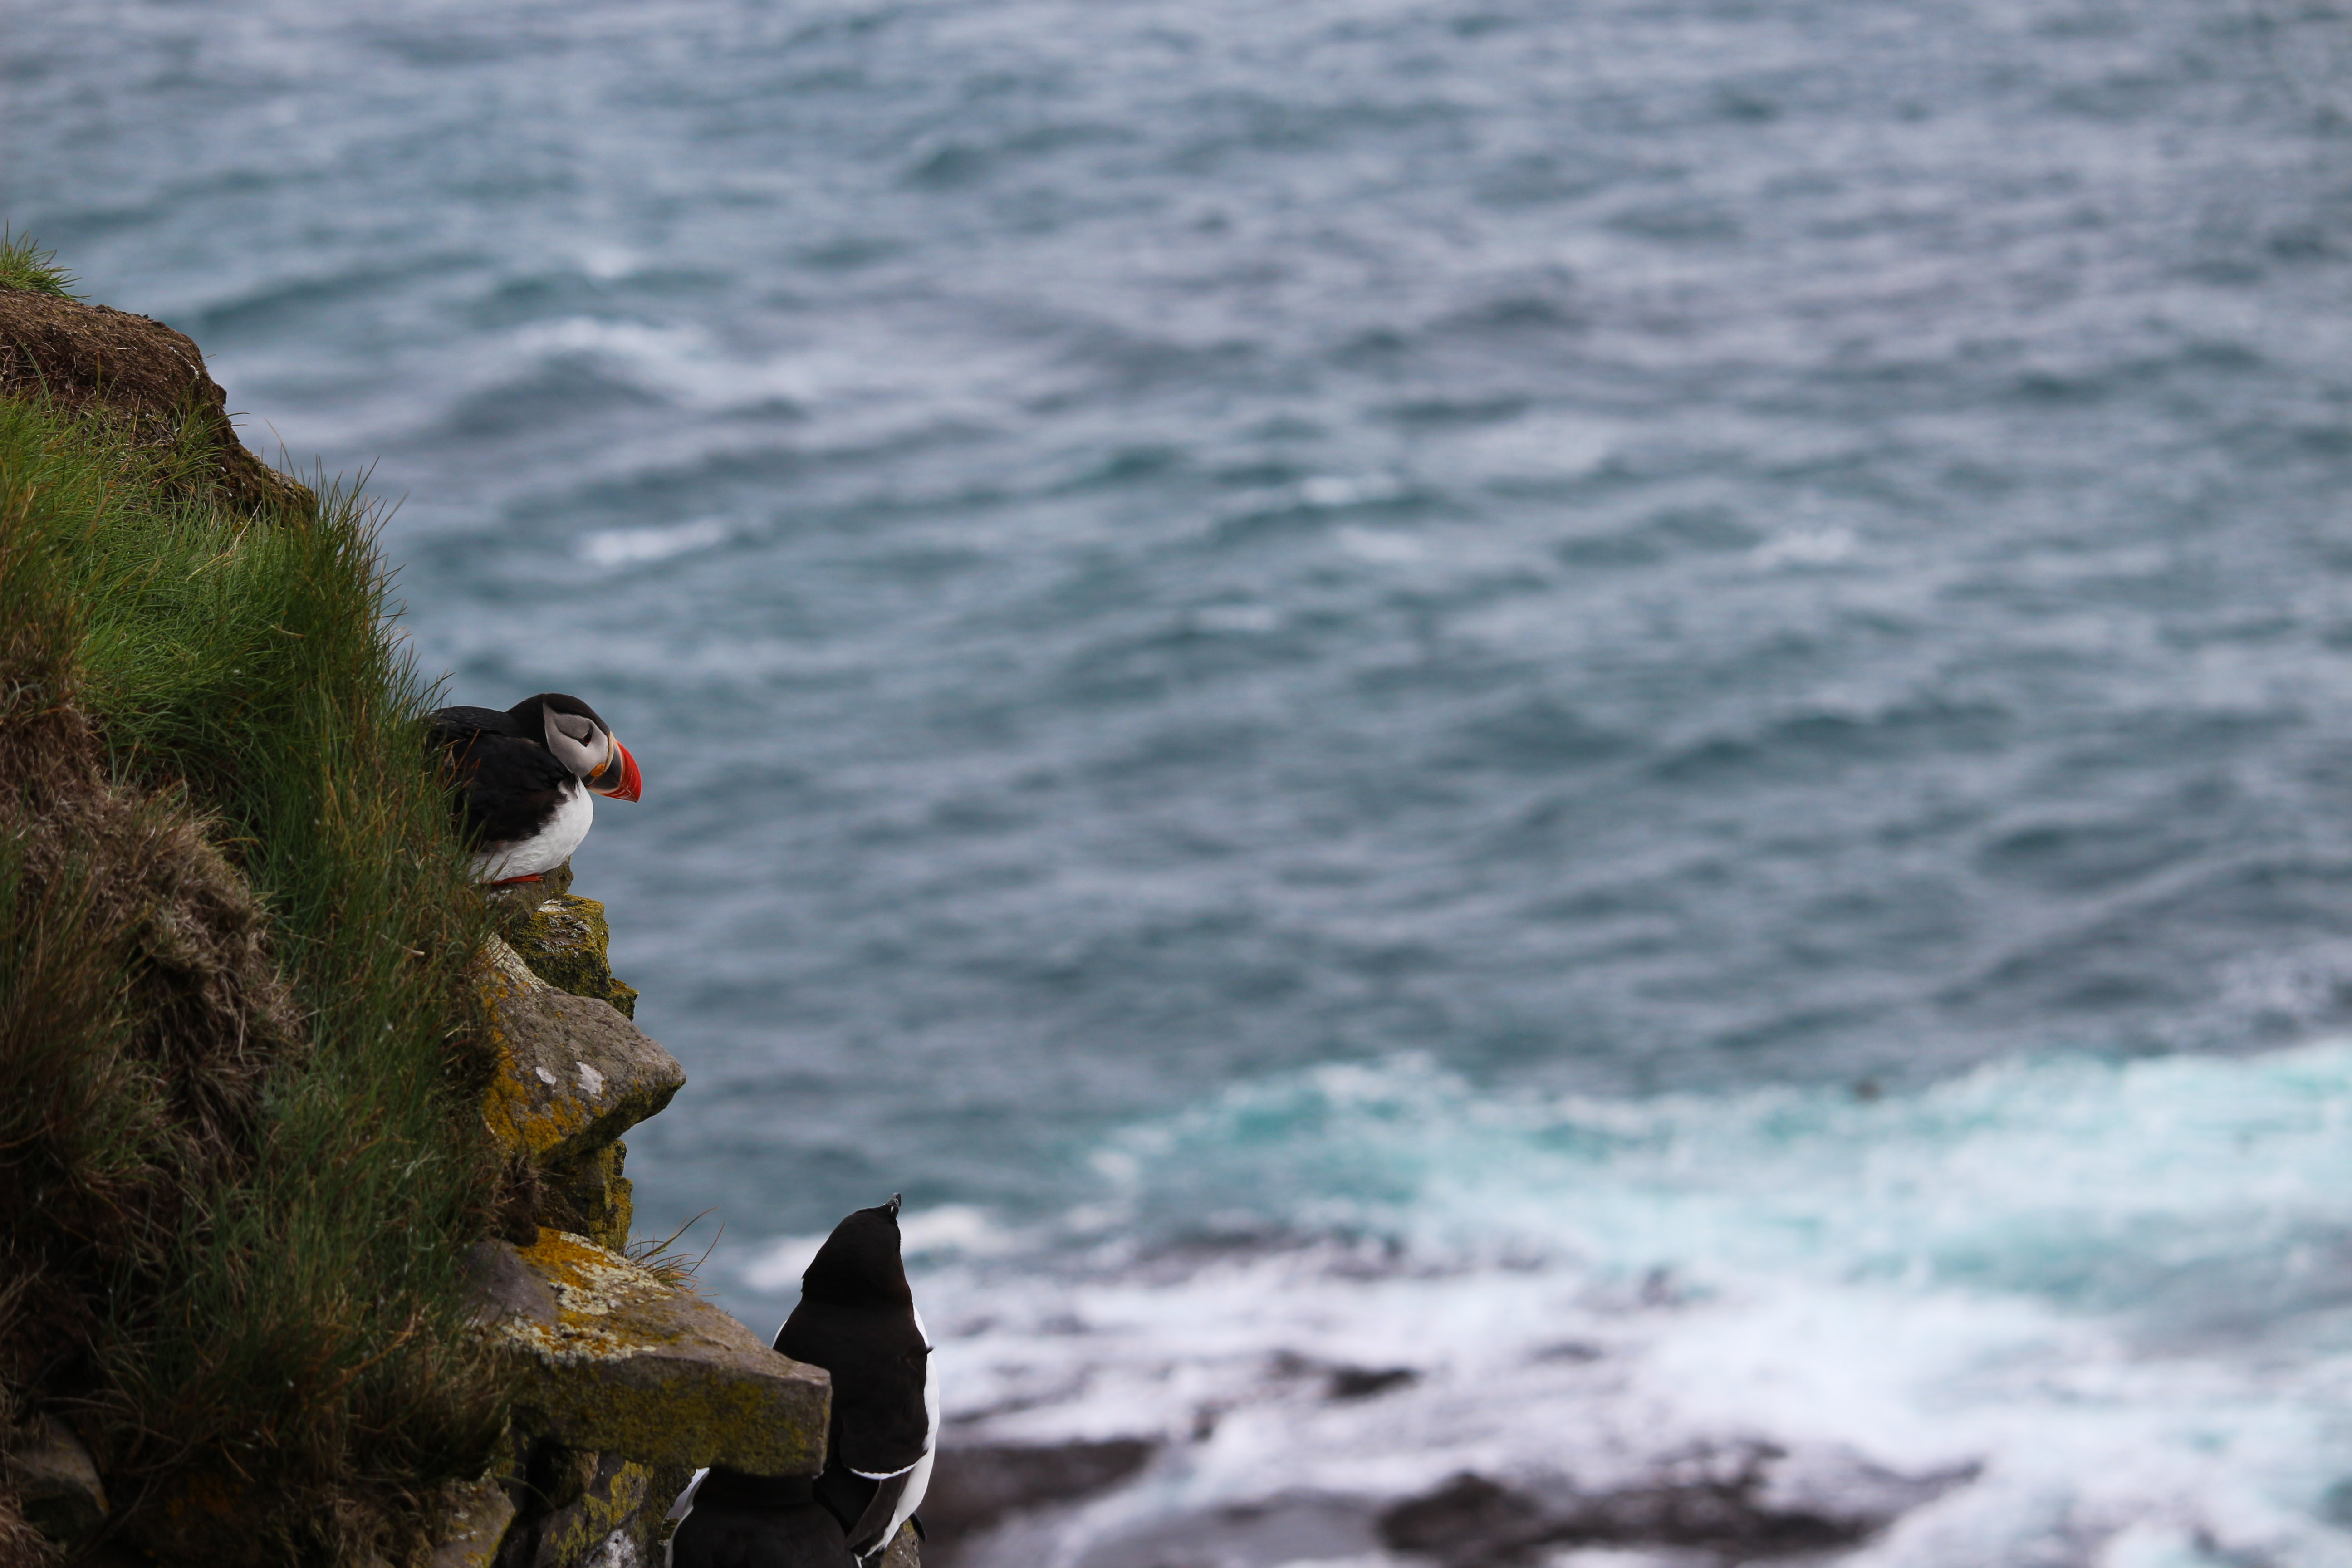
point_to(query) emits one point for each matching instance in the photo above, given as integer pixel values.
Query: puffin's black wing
(879, 1365)
(510, 785)
(453, 726)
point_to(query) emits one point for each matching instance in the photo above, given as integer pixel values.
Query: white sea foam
(1237, 618)
(684, 365)
(1342, 489)
(2052, 1272)
(635, 546)
(964, 1229)
(1808, 547)
(1381, 544)
(777, 1266)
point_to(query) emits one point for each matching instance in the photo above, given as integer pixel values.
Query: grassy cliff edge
(239, 1054)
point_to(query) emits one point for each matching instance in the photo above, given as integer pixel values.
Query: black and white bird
(527, 779)
(856, 1318)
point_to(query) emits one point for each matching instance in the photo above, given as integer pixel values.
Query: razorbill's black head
(526, 778)
(859, 1265)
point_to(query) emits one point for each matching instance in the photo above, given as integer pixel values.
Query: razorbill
(856, 1318)
(526, 780)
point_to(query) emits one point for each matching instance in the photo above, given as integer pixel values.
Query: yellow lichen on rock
(595, 1291)
(627, 1384)
(618, 1505)
(589, 1195)
(571, 1074)
(474, 1521)
(619, 1362)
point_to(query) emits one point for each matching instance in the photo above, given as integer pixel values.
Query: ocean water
(1644, 706)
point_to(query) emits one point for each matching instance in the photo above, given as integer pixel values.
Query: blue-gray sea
(1645, 704)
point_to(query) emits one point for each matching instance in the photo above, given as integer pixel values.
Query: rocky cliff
(628, 1382)
(317, 1248)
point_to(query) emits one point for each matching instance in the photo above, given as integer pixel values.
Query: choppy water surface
(1399, 682)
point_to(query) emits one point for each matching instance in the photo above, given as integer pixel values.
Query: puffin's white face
(578, 743)
(593, 754)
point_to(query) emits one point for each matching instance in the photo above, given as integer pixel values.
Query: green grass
(24, 264)
(240, 1273)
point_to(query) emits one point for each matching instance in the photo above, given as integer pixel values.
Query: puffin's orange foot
(514, 881)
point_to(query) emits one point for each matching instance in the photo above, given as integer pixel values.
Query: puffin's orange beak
(632, 784)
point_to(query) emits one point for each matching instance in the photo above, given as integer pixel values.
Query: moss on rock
(565, 938)
(610, 1505)
(589, 1195)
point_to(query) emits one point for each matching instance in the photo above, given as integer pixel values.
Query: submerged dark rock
(1296, 1527)
(1363, 1382)
(974, 1487)
(1738, 1516)
(1469, 1519)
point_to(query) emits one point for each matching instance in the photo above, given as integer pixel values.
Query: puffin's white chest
(550, 847)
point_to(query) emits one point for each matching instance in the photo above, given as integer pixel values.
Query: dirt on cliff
(93, 359)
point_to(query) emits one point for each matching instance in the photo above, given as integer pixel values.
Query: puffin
(857, 1320)
(527, 781)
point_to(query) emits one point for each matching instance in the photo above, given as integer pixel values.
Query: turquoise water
(2112, 1294)
(1375, 670)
